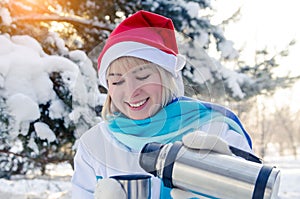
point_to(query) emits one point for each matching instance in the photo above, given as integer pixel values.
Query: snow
(5, 16)
(290, 175)
(56, 184)
(16, 106)
(56, 109)
(25, 79)
(44, 132)
(227, 50)
(25, 85)
(193, 9)
(54, 39)
(29, 42)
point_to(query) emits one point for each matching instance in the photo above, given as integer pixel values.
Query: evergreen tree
(46, 103)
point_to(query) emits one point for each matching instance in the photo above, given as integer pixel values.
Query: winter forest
(49, 91)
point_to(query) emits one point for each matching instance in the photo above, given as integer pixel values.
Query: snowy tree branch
(69, 19)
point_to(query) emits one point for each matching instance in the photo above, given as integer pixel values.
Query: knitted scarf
(170, 124)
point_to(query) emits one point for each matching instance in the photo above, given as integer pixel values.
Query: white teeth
(137, 104)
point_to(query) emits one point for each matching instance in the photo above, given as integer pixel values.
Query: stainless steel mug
(209, 174)
(136, 186)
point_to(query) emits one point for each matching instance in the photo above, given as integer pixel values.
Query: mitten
(109, 188)
(202, 140)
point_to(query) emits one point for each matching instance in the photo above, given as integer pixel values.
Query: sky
(270, 24)
(262, 23)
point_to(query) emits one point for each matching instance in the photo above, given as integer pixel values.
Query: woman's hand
(180, 194)
(202, 140)
(109, 188)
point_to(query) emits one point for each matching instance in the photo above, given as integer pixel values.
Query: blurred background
(241, 54)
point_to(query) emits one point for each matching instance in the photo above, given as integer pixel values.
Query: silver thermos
(209, 174)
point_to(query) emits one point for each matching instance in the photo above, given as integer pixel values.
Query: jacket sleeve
(237, 140)
(84, 177)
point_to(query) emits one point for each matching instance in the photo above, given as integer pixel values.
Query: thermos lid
(149, 155)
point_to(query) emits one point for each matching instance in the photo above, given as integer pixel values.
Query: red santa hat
(143, 35)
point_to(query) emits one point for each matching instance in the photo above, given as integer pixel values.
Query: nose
(133, 88)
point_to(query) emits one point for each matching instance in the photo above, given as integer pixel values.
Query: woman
(140, 66)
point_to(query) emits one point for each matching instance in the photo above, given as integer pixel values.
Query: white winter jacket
(100, 155)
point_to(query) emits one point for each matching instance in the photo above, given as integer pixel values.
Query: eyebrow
(114, 74)
(141, 68)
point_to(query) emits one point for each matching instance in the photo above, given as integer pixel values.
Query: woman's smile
(139, 104)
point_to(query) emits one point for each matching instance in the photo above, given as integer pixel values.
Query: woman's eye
(116, 83)
(143, 77)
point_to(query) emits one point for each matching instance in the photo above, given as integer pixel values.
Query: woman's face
(135, 89)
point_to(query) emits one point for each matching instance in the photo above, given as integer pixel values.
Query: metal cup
(136, 186)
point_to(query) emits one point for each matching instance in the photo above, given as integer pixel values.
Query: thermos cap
(131, 177)
(148, 157)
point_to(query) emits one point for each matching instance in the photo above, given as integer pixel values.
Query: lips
(138, 104)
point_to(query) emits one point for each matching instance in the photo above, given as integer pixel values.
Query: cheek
(114, 93)
(155, 89)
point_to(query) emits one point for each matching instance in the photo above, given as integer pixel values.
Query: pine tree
(65, 111)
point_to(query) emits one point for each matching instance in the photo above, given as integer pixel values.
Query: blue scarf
(170, 124)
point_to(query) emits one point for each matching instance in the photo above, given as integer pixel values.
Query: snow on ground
(290, 175)
(56, 185)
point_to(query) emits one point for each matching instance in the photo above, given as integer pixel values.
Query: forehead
(129, 64)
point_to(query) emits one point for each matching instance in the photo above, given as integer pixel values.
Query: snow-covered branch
(69, 19)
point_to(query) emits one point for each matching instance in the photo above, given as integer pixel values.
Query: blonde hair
(169, 86)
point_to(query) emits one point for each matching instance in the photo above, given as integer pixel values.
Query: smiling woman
(135, 88)
(140, 66)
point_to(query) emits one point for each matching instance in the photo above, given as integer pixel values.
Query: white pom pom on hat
(143, 35)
